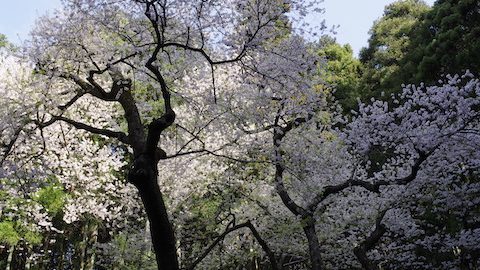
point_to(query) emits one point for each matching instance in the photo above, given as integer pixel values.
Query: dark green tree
(445, 42)
(341, 72)
(388, 44)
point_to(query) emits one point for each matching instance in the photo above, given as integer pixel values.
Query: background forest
(156, 134)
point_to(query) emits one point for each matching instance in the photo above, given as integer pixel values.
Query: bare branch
(122, 137)
(80, 93)
(373, 187)
(361, 250)
(205, 54)
(9, 146)
(248, 224)
(278, 134)
(157, 126)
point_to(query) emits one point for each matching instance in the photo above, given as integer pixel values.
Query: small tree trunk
(43, 261)
(90, 249)
(80, 249)
(145, 248)
(313, 244)
(61, 251)
(28, 258)
(10, 257)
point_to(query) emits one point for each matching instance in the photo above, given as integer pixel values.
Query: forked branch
(255, 233)
(361, 250)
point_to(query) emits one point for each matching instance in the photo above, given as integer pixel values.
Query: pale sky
(354, 17)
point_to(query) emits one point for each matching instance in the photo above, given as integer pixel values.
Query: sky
(354, 18)
(17, 17)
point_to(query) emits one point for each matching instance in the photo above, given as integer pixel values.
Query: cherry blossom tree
(48, 172)
(212, 112)
(433, 222)
(410, 140)
(132, 54)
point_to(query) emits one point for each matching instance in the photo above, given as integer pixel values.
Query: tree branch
(9, 146)
(89, 86)
(205, 55)
(122, 137)
(248, 224)
(361, 250)
(80, 93)
(373, 187)
(278, 134)
(157, 126)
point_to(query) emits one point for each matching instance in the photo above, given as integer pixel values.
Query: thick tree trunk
(361, 255)
(144, 176)
(370, 241)
(313, 244)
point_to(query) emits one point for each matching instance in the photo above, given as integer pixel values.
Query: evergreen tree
(342, 71)
(388, 44)
(445, 42)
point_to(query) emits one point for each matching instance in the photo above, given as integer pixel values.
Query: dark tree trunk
(144, 176)
(313, 244)
(308, 220)
(369, 243)
(362, 257)
(144, 173)
(19, 256)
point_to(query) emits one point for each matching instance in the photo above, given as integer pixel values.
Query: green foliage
(342, 71)
(208, 207)
(3, 194)
(31, 237)
(11, 232)
(445, 42)
(14, 229)
(16, 222)
(129, 258)
(3, 41)
(413, 43)
(52, 198)
(151, 96)
(388, 44)
(8, 234)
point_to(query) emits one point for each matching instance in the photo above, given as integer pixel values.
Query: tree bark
(61, 251)
(28, 259)
(313, 244)
(370, 241)
(90, 252)
(10, 257)
(81, 247)
(144, 176)
(308, 220)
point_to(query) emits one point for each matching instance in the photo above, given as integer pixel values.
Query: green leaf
(8, 234)
(52, 198)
